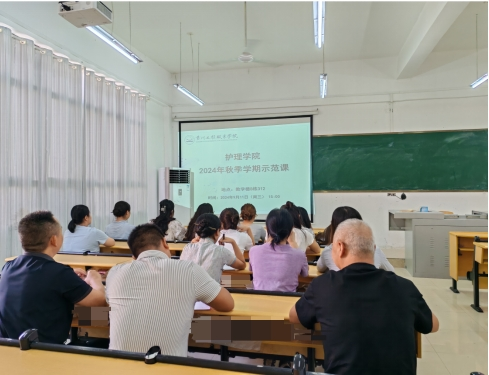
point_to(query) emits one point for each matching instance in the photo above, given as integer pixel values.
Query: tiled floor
(459, 347)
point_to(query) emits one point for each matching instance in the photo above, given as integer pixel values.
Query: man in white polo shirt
(152, 298)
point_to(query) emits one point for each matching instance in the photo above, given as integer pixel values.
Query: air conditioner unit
(85, 13)
(177, 185)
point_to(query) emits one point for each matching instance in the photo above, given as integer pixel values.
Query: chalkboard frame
(396, 190)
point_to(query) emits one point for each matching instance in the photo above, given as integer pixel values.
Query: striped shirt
(152, 302)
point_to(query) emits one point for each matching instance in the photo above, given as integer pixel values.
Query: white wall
(41, 22)
(363, 97)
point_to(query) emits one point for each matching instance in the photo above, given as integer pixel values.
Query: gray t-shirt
(84, 239)
(119, 230)
(209, 256)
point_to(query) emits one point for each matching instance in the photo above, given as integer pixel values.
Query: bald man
(367, 315)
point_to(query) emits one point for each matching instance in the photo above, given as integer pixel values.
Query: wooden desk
(43, 362)
(313, 273)
(480, 260)
(121, 247)
(310, 255)
(462, 256)
(83, 261)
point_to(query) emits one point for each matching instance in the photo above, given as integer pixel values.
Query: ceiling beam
(433, 22)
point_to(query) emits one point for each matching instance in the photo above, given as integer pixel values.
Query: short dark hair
(144, 236)
(120, 208)
(35, 230)
(279, 225)
(304, 217)
(229, 218)
(206, 225)
(294, 211)
(340, 215)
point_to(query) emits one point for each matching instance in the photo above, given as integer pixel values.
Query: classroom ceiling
(279, 33)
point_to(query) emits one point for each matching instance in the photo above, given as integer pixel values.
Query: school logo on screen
(189, 139)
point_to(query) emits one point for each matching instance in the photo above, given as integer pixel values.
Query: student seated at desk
(326, 261)
(276, 265)
(303, 238)
(368, 316)
(306, 222)
(174, 230)
(248, 215)
(36, 291)
(229, 226)
(80, 236)
(206, 253)
(120, 228)
(204, 208)
(152, 298)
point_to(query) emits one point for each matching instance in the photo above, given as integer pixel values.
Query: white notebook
(201, 306)
(228, 268)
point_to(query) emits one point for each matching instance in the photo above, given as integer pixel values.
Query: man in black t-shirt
(36, 291)
(368, 316)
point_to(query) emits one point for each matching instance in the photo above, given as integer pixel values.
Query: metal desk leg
(224, 354)
(475, 305)
(453, 288)
(311, 359)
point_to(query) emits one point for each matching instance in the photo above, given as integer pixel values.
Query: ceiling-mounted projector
(85, 13)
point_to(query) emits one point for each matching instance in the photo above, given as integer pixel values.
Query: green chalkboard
(432, 161)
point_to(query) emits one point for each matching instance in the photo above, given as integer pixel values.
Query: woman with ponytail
(229, 226)
(176, 231)
(304, 239)
(204, 208)
(120, 229)
(277, 264)
(80, 236)
(208, 254)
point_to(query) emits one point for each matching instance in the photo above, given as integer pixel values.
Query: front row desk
(48, 359)
(121, 247)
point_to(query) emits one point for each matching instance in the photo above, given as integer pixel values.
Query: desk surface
(469, 234)
(122, 245)
(482, 245)
(42, 362)
(313, 271)
(76, 260)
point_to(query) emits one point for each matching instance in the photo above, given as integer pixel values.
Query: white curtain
(66, 138)
(115, 119)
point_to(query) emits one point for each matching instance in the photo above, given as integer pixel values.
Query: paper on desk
(228, 268)
(201, 306)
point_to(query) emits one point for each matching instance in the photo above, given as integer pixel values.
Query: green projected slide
(262, 165)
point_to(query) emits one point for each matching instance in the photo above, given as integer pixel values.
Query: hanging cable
(245, 26)
(476, 47)
(192, 49)
(198, 69)
(130, 27)
(180, 53)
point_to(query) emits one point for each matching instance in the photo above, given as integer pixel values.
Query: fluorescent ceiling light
(479, 81)
(323, 85)
(188, 93)
(114, 43)
(319, 12)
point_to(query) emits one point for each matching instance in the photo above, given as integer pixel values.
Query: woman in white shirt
(229, 226)
(120, 229)
(176, 231)
(303, 238)
(208, 254)
(326, 262)
(248, 215)
(306, 223)
(80, 237)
